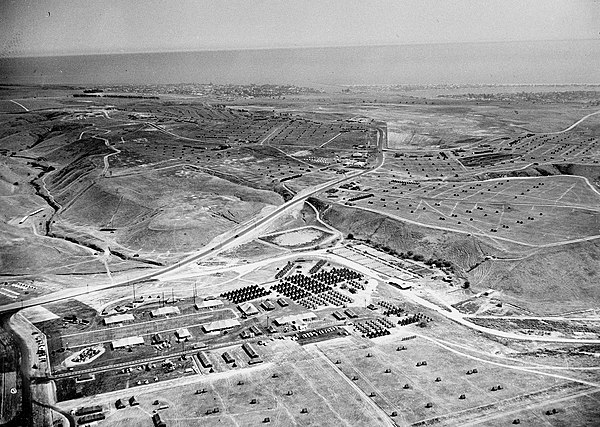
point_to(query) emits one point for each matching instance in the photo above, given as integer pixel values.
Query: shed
(267, 305)
(351, 313)
(338, 315)
(248, 309)
(158, 422)
(204, 360)
(183, 334)
(227, 358)
(250, 351)
(86, 410)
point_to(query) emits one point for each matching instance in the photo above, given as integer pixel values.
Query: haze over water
(552, 62)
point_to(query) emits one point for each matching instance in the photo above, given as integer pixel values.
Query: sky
(75, 27)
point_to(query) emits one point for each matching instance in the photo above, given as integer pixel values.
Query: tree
(350, 236)
(466, 285)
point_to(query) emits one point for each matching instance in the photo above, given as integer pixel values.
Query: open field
(392, 394)
(298, 238)
(269, 385)
(526, 211)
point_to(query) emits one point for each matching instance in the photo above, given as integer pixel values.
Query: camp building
(220, 325)
(165, 311)
(212, 303)
(118, 318)
(127, 342)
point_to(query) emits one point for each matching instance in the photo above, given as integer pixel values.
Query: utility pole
(194, 292)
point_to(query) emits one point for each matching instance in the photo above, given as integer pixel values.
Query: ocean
(549, 62)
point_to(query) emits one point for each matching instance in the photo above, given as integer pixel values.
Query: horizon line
(225, 49)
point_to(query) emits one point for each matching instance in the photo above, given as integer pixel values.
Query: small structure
(85, 378)
(227, 358)
(127, 342)
(206, 304)
(282, 302)
(133, 401)
(183, 334)
(255, 330)
(220, 325)
(157, 339)
(267, 305)
(86, 410)
(250, 351)
(119, 404)
(350, 313)
(204, 360)
(118, 318)
(248, 309)
(158, 422)
(88, 419)
(309, 316)
(338, 315)
(165, 311)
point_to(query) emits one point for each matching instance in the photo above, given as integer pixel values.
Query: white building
(118, 318)
(220, 325)
(294, 319)
(127, 342)
(165, 311)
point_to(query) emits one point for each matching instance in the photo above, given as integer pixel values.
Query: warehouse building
(118, 318)
(205, 305)
(127, 342)
(183, 334)
(220, 325)
(250, 351)
(309, 316)
(267, 305)
(204, 360)
(248, 309)
(165, 311)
